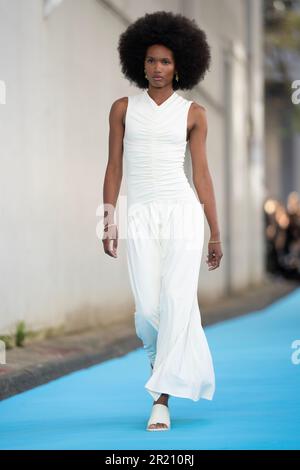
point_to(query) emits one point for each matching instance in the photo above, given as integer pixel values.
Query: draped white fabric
(165, 235)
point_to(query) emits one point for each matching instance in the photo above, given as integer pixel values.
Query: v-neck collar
(159, 106)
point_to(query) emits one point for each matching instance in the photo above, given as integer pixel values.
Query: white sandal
(160, 414)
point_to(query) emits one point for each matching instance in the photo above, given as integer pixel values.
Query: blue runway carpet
(256, 404)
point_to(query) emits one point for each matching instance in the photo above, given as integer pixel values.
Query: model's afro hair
(176, 32)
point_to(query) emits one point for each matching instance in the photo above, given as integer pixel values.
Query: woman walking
(161, 53)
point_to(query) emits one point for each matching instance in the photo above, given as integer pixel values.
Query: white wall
(60, 82)
(62, 74)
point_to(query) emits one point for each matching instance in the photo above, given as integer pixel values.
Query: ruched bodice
(154, 148)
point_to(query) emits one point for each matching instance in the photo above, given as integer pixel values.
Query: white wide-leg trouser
(164, 250)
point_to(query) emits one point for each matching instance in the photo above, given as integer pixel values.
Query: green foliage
(8, 341)
(20, 334)
(282, 44)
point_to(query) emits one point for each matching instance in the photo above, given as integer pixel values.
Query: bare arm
(114, 171)
(201, 176)
(203, 183)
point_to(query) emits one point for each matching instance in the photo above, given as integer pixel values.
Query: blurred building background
(282, 131)
(60, 66)
(282, 41)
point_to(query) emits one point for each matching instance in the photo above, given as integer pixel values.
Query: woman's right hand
(110, 240)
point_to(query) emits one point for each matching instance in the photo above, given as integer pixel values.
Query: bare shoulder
(118, 109)
(198, 109)
(198, 115)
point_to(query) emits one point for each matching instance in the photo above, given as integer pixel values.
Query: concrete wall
(62, 74)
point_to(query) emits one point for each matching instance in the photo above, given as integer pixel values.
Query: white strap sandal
(160, 414)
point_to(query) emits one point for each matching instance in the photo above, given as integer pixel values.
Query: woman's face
(159, 61)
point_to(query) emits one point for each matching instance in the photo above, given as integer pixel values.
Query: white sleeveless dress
(165, 235)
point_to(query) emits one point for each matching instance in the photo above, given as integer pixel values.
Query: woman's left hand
(214, 255)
